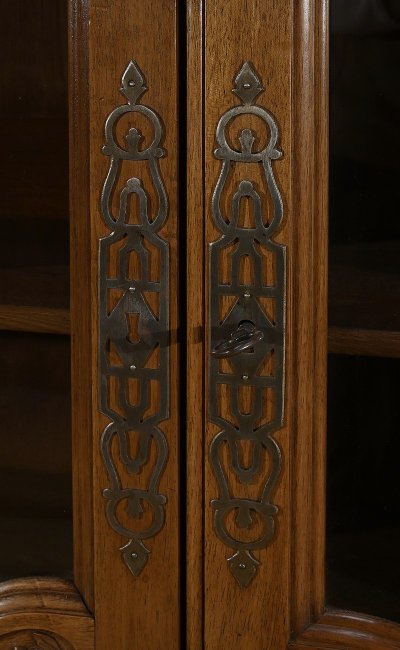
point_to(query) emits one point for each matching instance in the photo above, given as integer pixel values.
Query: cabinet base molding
(43, 614)
(33, 640)
(344, 630)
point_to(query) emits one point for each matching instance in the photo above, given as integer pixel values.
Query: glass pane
(35, 437)
(363, 541)
(34, 248)
(35, 456)
(364, 164)
(363, 515)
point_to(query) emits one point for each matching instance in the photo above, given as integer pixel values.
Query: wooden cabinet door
(126, 377)
(247, 199)
(272, 594)
(200, 326)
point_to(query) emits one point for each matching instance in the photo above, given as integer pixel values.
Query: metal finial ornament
(247, 336)
(133, 422)
(247, 84)
(133, 85)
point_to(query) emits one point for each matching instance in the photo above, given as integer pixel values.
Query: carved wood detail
(43, 614)
(343, 630)
(33, 640)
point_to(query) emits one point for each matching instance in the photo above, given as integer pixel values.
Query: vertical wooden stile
(81, 316)
(259, 32)
(195, 255)
(136, 612)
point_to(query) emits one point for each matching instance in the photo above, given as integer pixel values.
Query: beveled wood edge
(346, 630)
(41, 593)
(81, 365)
(50, 605)
(25, 318)
(195, 326)
(309, 309)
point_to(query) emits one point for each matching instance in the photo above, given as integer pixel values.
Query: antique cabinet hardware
(124, 357)
(243, 338)
(249, 335)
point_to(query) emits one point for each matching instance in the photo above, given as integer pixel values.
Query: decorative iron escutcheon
(247, 335)
(124, 357)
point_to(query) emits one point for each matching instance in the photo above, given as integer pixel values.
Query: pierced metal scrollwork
(125, 356)
(247, 340)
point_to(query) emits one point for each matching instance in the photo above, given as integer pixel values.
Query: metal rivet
(132, 367)
(242, 566)
(247, 295)
(131, 82)
(245, 377)
(246, 85)
(133, 554)
(132, 289)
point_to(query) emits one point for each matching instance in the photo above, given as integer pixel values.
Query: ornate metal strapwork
(247, 270)
(134, 325)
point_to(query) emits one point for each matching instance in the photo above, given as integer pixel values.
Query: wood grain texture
(23, 318)
(259, 31)
(371, 343)
(309, 166)
(33, 640)
(135, 612)
(49, 606)
(319, 646)
(351, 631)
(195, 326)
(320, 243)
(81, 319)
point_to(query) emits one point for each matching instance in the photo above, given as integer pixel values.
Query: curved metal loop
(133, 87)
(245, 337)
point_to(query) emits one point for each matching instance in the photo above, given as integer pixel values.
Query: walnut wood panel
(195, 329)
(46, 612)
(143, 611)
(260, 32)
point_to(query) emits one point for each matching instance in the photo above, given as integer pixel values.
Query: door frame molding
(313, 624)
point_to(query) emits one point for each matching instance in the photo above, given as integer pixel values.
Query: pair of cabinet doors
(198, 325)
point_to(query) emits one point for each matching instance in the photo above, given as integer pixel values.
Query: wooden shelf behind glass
(35, 299)
(364, 299)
